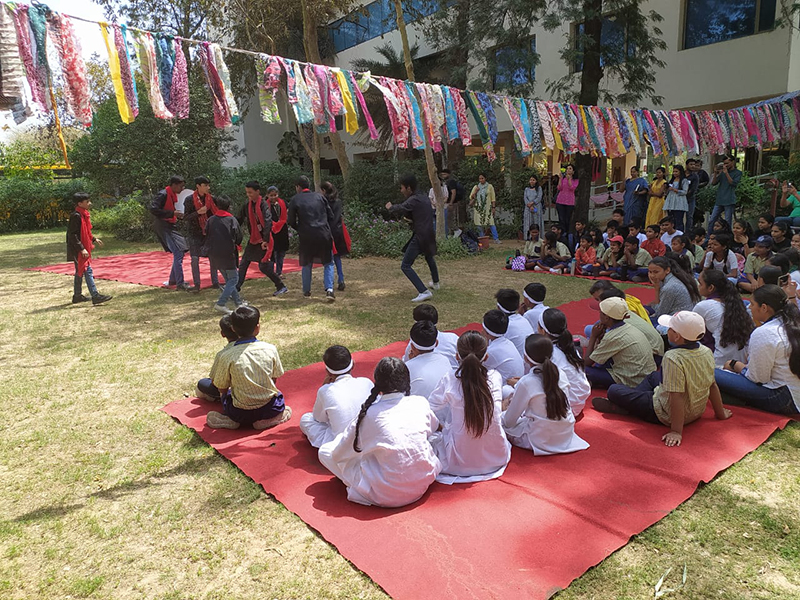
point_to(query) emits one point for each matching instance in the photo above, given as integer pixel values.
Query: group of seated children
(453, 406)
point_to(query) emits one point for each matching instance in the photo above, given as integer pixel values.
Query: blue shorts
(247, 417)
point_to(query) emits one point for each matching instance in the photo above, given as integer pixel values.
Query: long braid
(391, 375)
(373, 395)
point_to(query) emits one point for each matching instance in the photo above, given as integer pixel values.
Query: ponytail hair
(680, 267)
(737, 325)
(478, 401)
(786, 310)
(539, 349)
(391, 375)
(555, 323)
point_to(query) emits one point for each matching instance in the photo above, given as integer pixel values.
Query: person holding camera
(728, 177)
(790, 197)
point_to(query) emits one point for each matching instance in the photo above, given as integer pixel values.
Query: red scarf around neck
(208, 202)
(87, 239)
(172, 201)
(256, 221)
(222, 213)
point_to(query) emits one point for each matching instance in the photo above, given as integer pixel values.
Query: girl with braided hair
(384, 457)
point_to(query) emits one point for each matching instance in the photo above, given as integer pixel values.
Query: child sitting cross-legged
(553, 323)
(205, 388)
(445, 340)
(585, 255)
(678, 394)
(533, 303)
(501, 355)
(538, 416)
(426, 366)
(610, 261)
(653, 244)
(533, 247)
(338, 400)
(243, 378)
(472, 445)
(555, 255)
(633, 263)
(384, 457)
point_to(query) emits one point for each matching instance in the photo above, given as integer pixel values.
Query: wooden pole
(433, 174)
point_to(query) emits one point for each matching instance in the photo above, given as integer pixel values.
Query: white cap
(687, 324)
(615, 308)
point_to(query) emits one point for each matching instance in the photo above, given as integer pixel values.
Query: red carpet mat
(152, 268)
(525, 535)
(589, 277)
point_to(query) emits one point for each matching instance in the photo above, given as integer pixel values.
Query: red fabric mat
(152, 268)
(527, 534)
(591, 277)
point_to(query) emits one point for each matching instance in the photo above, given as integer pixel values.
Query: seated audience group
(451, 408)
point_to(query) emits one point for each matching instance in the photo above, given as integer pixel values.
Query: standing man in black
(197, 209)
(311, 216)
(165, 209)
(456, 193)
(423, 240)
(257, 217)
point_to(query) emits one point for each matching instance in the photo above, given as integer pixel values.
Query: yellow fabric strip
(125, 112)
(351, 118)
(61, 141)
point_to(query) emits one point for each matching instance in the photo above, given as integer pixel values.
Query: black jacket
(310, 214)
(244, 219)
(418, 208)
(337, 225)
(223, 235)
(74, 244)
(161, 214)
(191, 219)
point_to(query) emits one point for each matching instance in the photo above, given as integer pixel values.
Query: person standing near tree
(423, 240)
(455, 196)
(565, 202)
(483, 201)
(691, 197)
(280, 230)
(635, 197)
(676, 204)
(728, 177)
(311, 216)
(197, 209)
(165, 209)
(341, 240)
(532, 207)
(257, 217)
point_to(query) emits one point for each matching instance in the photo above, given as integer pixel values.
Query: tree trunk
(311, 46)
(589, 95)
(433, 173)
(460, 56)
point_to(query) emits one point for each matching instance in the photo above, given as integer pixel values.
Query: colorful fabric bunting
(225, 78)
(269, 80)
(77, 93)
(179, 89)
(126, 69)
(222, 117)
(125, 111)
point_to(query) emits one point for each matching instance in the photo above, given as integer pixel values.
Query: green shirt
(646, 327)
(689, 372)
(630, 352)
(795, 214)
(699, 254)
(642, 258)
(753, 264)
(726, 192)
(533, 249)
(607, 258)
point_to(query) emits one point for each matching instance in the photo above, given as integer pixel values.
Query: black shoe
(281, 291)
(216, 286)
(341, 287)
(306, 294)
(100, 298)
(195, 289)
(184, 287)
(79, 299)
(329, 296)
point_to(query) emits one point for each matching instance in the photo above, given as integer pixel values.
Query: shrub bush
(27, 204)
(750, 197)
(128, 219)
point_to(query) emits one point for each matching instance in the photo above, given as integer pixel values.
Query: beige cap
(615, 308)
(687, 324)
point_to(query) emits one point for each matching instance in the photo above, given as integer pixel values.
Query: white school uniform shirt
(532, 316)
(464, 457)
(336, 406)
(518, 331)
(641, 237)
(666, 238)
(396, 464)
(769, 359)
(446, 346)
(579, 387)
(713, 312)
(719, 265)
(527, 425)
(502, 356)
(426, 371)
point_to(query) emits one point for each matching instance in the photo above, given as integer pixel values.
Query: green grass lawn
(105, 496)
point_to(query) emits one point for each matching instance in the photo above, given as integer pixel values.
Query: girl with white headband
(472, 445)
(338, 400)
(425, 366)
(533, 303)
(518, 327)
(384, 457)
(501, 355)
(538, 416)
(553, 323)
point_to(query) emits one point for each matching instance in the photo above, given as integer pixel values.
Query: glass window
(613, 40)
(374, 20)
(712, 21)
(511, 68)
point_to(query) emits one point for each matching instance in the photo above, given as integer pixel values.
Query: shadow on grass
(56, 511)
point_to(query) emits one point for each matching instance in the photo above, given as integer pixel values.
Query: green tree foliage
(185, 18)
(142, 155)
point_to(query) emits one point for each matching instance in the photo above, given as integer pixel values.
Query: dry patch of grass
(104, 496)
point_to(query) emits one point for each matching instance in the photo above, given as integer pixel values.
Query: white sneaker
(434, 286)
(555, 271)
(223, 309)
(422, 296)
(457, 233)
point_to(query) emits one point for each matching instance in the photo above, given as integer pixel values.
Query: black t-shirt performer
(164, 208)
(310, 215)
(257, 217)
(423, 240)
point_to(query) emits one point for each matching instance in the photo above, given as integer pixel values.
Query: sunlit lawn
(104, 496)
